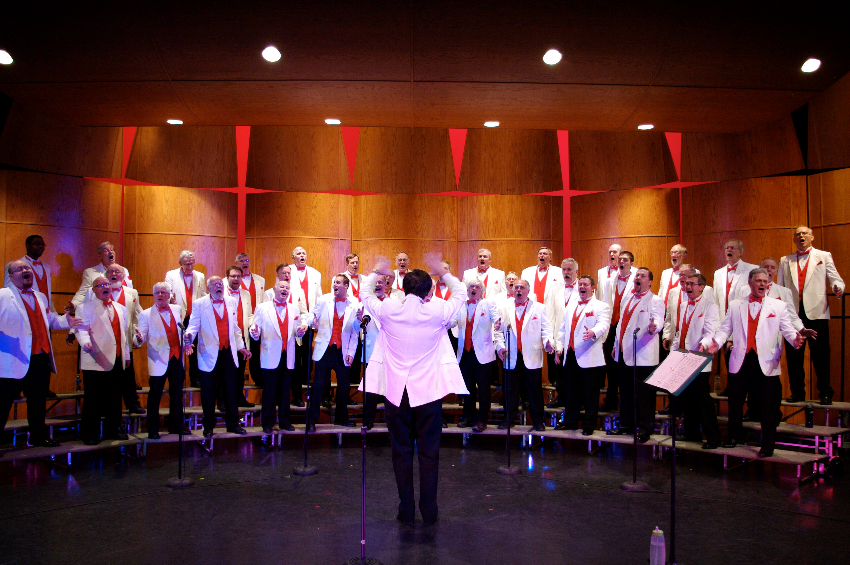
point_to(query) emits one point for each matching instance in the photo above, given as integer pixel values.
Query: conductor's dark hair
(417, 282)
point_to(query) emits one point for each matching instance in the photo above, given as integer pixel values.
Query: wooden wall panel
(405, 217)
(173, 210)
(511, 162)
(157, 254)
(295, 214)
(767, 150)
(404, 161)
(324, 254)
(513, 228)
(297, 159)
(187, 156)
(644, 222)
(619, 160)
(32, 141)
(829, 127)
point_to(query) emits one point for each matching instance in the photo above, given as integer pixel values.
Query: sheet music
(677, 371)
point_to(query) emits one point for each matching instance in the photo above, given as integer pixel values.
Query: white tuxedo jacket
(323, 316)
(314, 284)
(553, 296)
(267, 324)
(773, 324)
(485, 340)
(602, 276)
(373, 330)
(131, 303)
(495, 281)
(413, 351)
(704, 321)
(353, 283)
(739, 280)
(821, 270)
(178, 288)
(152, 330)
(649, 308)
(16, 333)
(99, 333)
(259, 288)
(88, 277)
(247, 311)
(779, 292)
(594, 316)
(674, 308)
(202, 323)
(666, 276)
(609, 293)
(298, 299)
(7, 280)
(536, 332)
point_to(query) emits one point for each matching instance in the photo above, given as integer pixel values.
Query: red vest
(41, 282)
(519, 325)
(171, 332)
(801, 274)
(116, 329)
(670, 286)
(355, 289)
(576, 315)
(540, 286)
(40, 337)
(686, 324)
(618, 298)
(284, 326)
(305, 287)
(252, 290)
(467, 338)
(627, 315)
(336, 333)
(120, 300)
(752, 326)
(439, 292)
(189, 290)
(223, 329)
(239, 323)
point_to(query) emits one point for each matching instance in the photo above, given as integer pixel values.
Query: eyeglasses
(102, 285)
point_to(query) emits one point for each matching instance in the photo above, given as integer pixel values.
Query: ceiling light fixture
(175, 122)
(332, 122)
(645, 126)
(491, 124)
(552, 57)
(271, 54)
(5, 58)
(810, 66)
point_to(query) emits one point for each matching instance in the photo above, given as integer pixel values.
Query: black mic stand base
(635, 486)
(508, 470)
(180, 483)
(305, 470)
(363, 561)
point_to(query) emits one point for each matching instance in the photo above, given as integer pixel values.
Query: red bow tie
(39, 262)
(543, 269)
(472, 302)
(754, 299)
(163, 308)
(510, 295)
(731, 267)
(569, 285)
(26, 291)
(214, 301)
(234, 292)
(799, 253)
(692, 302)
(302, 268)
(639, 295)
(482, 271)
(354, 276)
(276, 303)
(675, 269)
(339, 299)
(622, 278)
(580, 302)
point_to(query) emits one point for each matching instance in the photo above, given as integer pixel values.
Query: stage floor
(565, 507)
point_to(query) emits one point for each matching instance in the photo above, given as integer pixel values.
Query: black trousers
(819, 349)
(221, 386)
(253, 365)
(477, 378)
(611, 369)
(226, 368)
(763, 392)
(192, 360)
(299, 375)
(699, 410)
(370, 404)
(424, 426)
(581, 386)
(645, 397)
(555, 373)
(174, 376)
(34, 386)
(331, 360)
(276, 385)
(533, 379)
(102, 398)
(128, 386)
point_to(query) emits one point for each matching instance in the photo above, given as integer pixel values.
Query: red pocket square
(482, 313)
(643, 310)
(772, 316)
(700, 316)
(820, 262)
(589, 314)
(534, 318)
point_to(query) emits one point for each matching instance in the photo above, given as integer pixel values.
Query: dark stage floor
(565, 507)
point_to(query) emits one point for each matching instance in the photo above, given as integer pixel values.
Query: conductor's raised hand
(382, 265)
(434, 262)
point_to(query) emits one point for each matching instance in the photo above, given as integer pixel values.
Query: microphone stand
(363, 430)
(180, 481)
(507, 469)
(305, 469)
(634, 485)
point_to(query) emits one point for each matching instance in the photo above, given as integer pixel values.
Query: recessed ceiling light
(646, 126)
(175, 122)
(810, 66)
(5, 58)
(271, 54)
(332, 122)
(552, 57)
(491, 124)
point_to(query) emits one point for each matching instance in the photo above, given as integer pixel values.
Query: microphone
(180, 325)
(636, 332)
(365, 321)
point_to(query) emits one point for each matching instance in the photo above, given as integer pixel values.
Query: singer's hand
(501, 354)
(72, 321)
(558, 357)
(173, 299)
(348, 359)
(652, 327)
(713, 347)
(809, 333)
(360, 314)
(88, 348)
(245, 353)
(301, 331)
(139, 336)
(498, 325)
(549, 347)
(588, 335)
(666, 344)
(701, 348)
(70, 339)
(254, 333)
(188, 349)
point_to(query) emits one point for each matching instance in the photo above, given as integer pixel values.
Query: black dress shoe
(118, 436)
(731, 444)
(43, 442)
(50, 395)
(346, 424)
(562, 426)
(298, 402)
(587, 432)
(826, 400)
(245, 404)
(311, 428)
(643, 437)
(445, 425)
(465, 424)
(137, 409)
(91, 441)
(208, 433)
(326, 404)
(539, 428)
(238, 430)
(268, 431)
(288, 428)
(621, 431)
(154, 435)
(709, 445)
(765, 452)
(479, 427)
(796, 398)
(408, 523)
(504, 426)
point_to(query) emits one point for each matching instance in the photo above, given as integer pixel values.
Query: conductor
(414, 367)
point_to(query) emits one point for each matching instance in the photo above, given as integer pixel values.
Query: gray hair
(102, 245)
(738, 242)
(758, 271)
(162, 284)
(184, 254)
(570, 260)
(475, 282)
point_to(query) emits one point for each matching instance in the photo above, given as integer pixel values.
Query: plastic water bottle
(657, 548)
